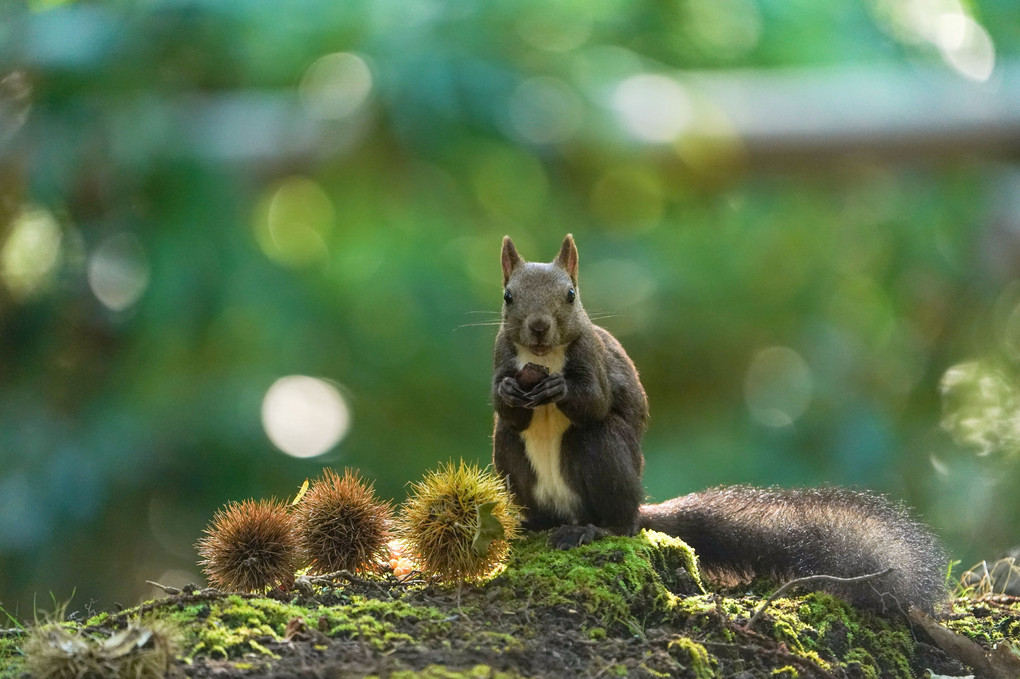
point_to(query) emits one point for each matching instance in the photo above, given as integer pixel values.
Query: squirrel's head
(541, 303)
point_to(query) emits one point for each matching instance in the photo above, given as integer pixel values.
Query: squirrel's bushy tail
(742, 531)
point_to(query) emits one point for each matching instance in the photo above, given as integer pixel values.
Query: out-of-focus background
(242, 240)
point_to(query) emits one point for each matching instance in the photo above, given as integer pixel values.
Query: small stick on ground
(331, 578)
(810, 580)
(172, 591)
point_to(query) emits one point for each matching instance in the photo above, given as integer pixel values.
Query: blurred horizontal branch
(904, 111)
(766, 115)
(800, 116)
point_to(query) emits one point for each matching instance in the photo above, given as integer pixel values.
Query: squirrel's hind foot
(568, 537)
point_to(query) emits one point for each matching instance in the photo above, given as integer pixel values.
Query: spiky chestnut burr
(458, 521)
(250, 545)
(342, 524)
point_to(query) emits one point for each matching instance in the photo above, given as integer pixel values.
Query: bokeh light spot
(778, 386)
(25, 522)
(598, 70)
(118, 271)
(628, 196)
(31, 253)
(44, 5)
(294, 221)
(725, 28)
(653, 108)
(15, 103)
(170, 526)
(335, 86)
(938, 466)
(304, 416)
(981, 408)
(914, 20)
(510, 182)
(963, 43)
(966, 46)
(556, 27)
(545, 110)
(624, 290)
(1011, 333)
(175, 578)
(861, 306)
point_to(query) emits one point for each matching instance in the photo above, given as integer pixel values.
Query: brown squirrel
(570, 414)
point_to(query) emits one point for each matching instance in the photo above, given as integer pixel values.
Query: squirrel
(570, 412)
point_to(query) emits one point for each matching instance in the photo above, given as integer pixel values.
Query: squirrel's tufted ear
(509, 259)
(567, 259)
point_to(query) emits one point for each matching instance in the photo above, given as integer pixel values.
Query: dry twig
(810, 580)
(328, 579)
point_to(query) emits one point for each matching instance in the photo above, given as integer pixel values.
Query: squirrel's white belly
(542, 441)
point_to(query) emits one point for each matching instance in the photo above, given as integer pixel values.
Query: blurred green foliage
(199, 197)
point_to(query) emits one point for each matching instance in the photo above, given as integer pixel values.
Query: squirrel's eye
(507, 297)
(571, 295)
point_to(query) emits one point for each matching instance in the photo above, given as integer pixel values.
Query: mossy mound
(631, 607)
(620, 583)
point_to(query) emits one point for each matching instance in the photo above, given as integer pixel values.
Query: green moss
(441, 672)
(98, 620)
(674, 561)
(648, 671)
(974, 619)
(610, 580)
(787, 630)
(497, 642)
(787, 672)
(875, 646)
(862, 662)
(692, 656)
(233, 626)
(699, 605)
(882, 645)
(10, 657)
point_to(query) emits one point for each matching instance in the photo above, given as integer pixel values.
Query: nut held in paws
(530, 375)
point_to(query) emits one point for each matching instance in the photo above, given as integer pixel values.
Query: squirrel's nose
(538, 326)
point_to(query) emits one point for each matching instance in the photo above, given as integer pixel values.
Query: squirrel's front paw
(512, 393)
(568, 537)
(552, 389)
